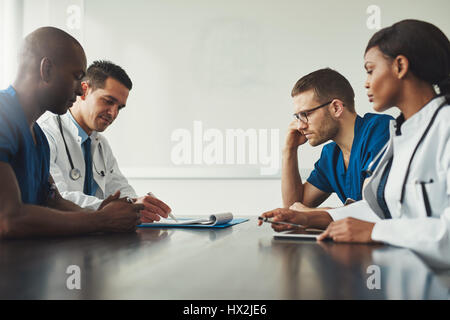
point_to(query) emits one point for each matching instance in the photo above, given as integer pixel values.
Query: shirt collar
(81, 133)
(15, 107)
(419, 119)
(398, 124)
(358, 124)
(11, 91)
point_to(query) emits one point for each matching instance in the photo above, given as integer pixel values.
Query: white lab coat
(102, 158)
(410, 227)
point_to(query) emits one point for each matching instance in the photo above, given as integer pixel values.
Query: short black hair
(327, 84)
(100, 70)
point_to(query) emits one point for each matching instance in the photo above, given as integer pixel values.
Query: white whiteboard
(226, 65)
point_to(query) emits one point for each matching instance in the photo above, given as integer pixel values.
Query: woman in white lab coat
(408, 195)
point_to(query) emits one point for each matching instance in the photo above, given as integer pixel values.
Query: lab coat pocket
(436, 190)
(429, 193)
(415, 200)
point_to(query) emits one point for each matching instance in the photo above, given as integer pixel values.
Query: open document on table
(218, 220)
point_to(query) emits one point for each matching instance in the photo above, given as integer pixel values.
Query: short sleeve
(8, 140)
(318, 176)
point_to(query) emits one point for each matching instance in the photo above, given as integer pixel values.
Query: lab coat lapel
(74, 145)
(98, 164)
(412, 131)
(370, 190)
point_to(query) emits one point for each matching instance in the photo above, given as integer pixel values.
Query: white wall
(230, 64)
(200, 196)
(2, 48)
(11, 30)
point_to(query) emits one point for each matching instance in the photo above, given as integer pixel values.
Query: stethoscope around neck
(75, 173)
(369, 170)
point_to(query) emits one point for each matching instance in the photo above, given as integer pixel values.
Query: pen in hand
(269, 220)
(170, 213)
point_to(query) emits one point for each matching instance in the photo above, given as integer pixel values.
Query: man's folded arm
(293, 188)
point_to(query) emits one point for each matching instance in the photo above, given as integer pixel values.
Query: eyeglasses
(303, 115)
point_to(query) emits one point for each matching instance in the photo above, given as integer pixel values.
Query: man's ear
(46, 69)
(401, 66)
(84, 87)
(336, 108)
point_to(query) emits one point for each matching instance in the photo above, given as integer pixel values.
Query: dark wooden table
(240, 262)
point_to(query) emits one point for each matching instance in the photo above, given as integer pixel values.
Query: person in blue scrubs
(325, 110)
(30, 161)
(332, 174)
(51, 66)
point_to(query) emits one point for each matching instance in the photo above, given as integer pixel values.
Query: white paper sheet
(358, 210)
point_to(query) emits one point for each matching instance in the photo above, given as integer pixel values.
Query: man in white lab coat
(81, 160)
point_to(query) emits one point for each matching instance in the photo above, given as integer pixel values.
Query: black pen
(269, 220)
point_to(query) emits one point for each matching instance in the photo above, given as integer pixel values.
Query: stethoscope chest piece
(75, 174)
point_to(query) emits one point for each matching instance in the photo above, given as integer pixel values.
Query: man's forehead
(115, 90)
(304, 100)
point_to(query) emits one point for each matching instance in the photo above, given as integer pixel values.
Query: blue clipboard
(202, 226)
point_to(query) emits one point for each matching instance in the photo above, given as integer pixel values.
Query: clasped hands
(152, 208)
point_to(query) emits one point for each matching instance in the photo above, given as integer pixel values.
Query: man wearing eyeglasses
(324, 111)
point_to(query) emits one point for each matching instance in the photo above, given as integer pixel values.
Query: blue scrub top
(30, 162)
(329, 174)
